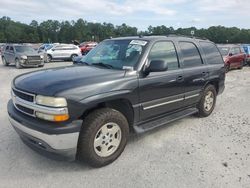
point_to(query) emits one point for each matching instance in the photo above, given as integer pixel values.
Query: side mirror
(230, 54)
(157, 66)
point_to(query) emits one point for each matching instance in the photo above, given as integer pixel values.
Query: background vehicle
(1, 48)
(62, 52)
(233, 56)
(42, 49)
(87, 46)
(127, 84)
(21, 56)
(246, 48)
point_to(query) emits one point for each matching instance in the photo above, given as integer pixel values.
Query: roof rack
(178, 35)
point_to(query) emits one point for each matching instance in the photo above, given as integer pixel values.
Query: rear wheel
(4, 62)
(241, 65)
(18, 64)
(103, 137)
(227, 67)
(207, 101)
(73, 56)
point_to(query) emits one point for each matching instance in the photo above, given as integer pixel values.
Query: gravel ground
(192, 152)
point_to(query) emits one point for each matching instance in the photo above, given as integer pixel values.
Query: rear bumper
(61, 145)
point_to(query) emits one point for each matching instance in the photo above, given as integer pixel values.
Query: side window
(191, 55)
(11, 49)
(7, 48)
(212, 54)
(165, 51)
(237, 50)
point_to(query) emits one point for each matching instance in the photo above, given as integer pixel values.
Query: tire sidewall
(202, 111)
(17, 63)
(114, 117)
(4, 61)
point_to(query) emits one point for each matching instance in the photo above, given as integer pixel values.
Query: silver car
(62, 52)
(21, 56)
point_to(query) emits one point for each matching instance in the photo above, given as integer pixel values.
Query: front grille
(24, 96)
(25, 110)
(34, 58)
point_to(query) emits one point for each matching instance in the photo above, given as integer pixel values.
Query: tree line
(66, 31)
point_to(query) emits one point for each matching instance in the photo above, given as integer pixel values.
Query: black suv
(21, 56)
(127, 84)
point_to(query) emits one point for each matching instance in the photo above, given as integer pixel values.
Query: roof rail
(178, 35)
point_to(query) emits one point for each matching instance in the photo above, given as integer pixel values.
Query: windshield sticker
(138, 42)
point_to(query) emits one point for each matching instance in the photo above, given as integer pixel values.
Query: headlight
(24, 57)
(41, 56)
(51, 101)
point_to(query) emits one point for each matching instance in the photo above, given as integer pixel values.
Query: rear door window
(190, 54)
(212, 54)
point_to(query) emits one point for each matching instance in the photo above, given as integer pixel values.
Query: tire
(5, 63)
(204, 108)
(17, 63)
(92, 141)
(227, 67)
(72, 56)
(241, 65)
(49, 58)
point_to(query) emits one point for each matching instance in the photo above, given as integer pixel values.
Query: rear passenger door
(11, 55)
(194, 70)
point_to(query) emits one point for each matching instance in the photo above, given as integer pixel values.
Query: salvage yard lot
(192, 152)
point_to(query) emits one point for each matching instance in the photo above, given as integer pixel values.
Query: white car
(62, 52)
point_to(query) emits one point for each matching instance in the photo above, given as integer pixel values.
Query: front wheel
(4, 62)
(207, 101)
(103, 137)
(18, 64)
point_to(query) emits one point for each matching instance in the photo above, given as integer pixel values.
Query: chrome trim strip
(192, 96)
(164, 103)
(30, 94)
(37, 108)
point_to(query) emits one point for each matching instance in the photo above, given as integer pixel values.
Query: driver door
(161, 92)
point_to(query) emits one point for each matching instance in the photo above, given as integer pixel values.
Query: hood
(50, 82)
(29, 53)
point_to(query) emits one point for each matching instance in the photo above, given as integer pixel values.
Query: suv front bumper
(56, 144)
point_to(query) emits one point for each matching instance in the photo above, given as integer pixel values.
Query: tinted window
(224, 50)
(212, 54)
(165, 51)
(7, 48)
(191, 55)
(236, 51)
(11, 48)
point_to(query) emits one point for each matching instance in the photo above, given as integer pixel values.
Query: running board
(164, 120)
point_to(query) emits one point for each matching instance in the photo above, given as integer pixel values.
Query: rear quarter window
(212, 54)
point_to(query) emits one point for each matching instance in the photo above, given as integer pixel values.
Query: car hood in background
(29, 53)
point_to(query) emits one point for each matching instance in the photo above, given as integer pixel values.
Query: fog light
(49, 117)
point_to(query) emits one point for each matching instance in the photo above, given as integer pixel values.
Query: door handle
(179, 79)
(205, 73)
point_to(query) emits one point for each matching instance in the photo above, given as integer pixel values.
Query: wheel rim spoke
(107, 139)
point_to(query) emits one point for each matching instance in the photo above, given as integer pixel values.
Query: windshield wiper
(103, 65)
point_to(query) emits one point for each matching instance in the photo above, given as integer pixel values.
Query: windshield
(22, 49)
(116, 54)
(224, 50)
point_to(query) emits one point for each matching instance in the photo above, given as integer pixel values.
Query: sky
(137, 13)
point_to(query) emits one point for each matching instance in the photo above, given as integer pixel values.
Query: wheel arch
(122, 105)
